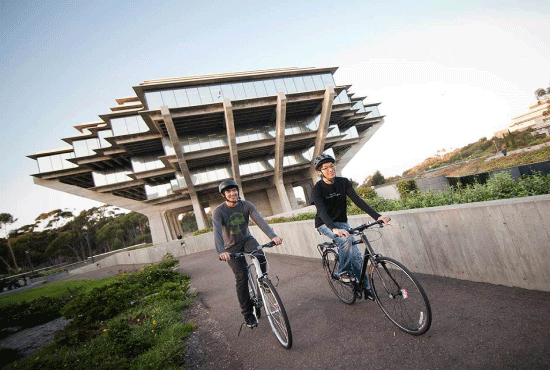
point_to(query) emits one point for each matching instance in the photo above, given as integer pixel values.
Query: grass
(53, 290)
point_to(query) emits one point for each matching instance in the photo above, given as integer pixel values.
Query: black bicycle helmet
(323, 158)
(227, 184)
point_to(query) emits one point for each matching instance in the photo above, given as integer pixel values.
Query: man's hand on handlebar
(225, 256)
(340, 233)
(384, 219)
(277, 240)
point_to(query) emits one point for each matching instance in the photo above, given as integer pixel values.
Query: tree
(539, 93)
(377, 179)
(5, 220)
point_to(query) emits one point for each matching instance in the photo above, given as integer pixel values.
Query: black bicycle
(263, 294)
(396, 290)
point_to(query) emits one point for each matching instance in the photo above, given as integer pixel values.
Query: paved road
(475, 325)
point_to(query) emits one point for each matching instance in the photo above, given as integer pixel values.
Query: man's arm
(355, 198)
(259, 220)
(218, 230)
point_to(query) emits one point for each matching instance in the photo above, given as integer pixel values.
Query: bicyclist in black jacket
(329, 196)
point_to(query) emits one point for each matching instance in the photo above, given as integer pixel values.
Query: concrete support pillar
(274, 201)
(232, 141)
(322, 131)
(307, 186)
(280, 151)
(291, 196)
(199, 214)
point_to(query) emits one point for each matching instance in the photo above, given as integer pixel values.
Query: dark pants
(238, 265)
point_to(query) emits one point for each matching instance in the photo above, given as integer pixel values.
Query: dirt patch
(207, 347)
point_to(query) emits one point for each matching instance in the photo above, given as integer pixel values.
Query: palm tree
(5, 220)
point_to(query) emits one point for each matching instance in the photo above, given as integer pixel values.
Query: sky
(446, 73)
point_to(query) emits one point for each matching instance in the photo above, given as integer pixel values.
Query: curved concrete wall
(500, 242)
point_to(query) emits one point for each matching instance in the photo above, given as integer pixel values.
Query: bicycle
(263, 294)
(396, 290)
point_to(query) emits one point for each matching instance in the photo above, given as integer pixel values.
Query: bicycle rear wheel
(400, 296)
(344, 291)
(276, 313)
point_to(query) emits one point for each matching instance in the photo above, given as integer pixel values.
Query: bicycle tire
(254, 296)
(400, 296)
(344, 291)
(276, 313)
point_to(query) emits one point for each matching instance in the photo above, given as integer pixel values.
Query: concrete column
(274, 201)
(291, 197)
(232, 141)
(322, 131)
(307, 186)
(280, 151)
(167, 117)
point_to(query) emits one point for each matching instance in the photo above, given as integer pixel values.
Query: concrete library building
(164, 151)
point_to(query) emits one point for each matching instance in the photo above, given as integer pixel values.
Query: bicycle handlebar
(360, 228)
(240, 254)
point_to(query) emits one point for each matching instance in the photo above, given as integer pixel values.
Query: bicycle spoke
(344, 291)
(276, 313)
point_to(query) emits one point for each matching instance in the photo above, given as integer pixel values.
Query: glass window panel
(44, 164)
(99, 179)
(238, 89)
(337, 100)
(204, 142)
(168, 98)
(260, 88)
(66, 164)
(344, 98)
(102, 135)
(204, 93)
(249, 90)
(216, 93)
(319, 85)
(154, 100)
(142, 126)
(132, 124)
(194, 144)
(56, 162)
(299, 83)
(193, 96)
(111, 178)
(359, 106)
(168, 147)
(328, 80)
(280, 85)
(181, 98)
(290, 87)
(80, 148)
(119, 126)
(137, 164)
(227, 91)
(270, 87)
(308, 81)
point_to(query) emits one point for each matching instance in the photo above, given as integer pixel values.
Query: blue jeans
(349, 257)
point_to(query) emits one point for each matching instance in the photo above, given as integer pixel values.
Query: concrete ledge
(500, 242)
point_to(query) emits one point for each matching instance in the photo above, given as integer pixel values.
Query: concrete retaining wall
(500, 242)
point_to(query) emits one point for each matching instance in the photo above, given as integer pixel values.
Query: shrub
(406, 187)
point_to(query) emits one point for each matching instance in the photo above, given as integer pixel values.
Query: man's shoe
(345, 278)
(250, 321)
(368, 294)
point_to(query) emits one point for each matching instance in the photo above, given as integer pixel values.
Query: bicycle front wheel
(276, 313)
(344, 291)
(400, 296)
(254, 295)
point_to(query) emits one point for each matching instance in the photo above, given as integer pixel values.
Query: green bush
(406, 187)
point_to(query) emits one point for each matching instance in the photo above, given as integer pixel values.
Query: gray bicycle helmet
(226, 184)
(323, 158)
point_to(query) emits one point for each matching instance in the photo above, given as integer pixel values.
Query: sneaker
(345, 278)
(250, 320)
(368, 294)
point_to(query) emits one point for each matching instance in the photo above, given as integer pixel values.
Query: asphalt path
(475, 325)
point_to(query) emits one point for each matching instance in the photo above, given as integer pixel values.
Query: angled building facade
(164, 151)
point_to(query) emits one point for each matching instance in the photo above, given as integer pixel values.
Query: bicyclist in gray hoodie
(231, 235)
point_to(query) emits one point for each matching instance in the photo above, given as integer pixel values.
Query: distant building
(164, 151)
(534, 119)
